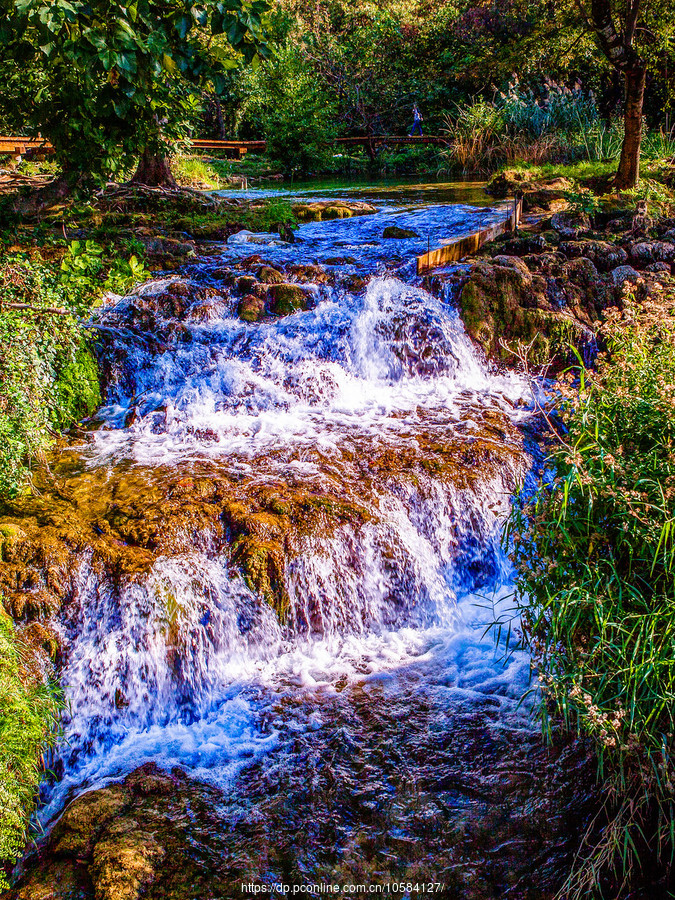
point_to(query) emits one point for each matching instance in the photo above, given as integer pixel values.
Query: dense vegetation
(30, 703)
(595, 553)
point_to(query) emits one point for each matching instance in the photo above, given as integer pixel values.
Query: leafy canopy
(109, 78)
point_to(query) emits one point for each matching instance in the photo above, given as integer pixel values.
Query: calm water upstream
(368, 730)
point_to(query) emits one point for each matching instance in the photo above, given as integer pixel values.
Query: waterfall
(370, 412)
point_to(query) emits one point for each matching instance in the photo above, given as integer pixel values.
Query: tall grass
(595, 557)
(29, 711)
(558, 124)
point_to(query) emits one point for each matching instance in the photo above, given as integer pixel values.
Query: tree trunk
(628, 174)
(153, 170)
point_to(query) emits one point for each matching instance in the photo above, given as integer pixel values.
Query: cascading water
(372, 414)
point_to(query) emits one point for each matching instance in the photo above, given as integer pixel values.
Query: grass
(594, 552)
(30, 705)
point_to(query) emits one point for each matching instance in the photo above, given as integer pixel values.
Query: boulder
(393, 232)
(285, 299)
(625, 274)
(652, 251)
(604, 255)
(570, 225)
(269, 275)
(245, 283)
(502, 302)
(251, 308)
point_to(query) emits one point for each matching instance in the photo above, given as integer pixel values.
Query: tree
(116, 79)
(626, 37)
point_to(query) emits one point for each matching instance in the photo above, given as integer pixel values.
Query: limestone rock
(570, 225)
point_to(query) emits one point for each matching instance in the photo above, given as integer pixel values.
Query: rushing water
(383, 675)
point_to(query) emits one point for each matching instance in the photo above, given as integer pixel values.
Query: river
(295, 568)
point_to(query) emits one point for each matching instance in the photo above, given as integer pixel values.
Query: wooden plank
(465, 246)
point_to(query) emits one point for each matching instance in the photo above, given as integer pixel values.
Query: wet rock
(570, 225)
(244, 284)
(327, 209)
(285, 299)
(251, 308)
(538, 194)
(604, 255)
(125, 863)
(355, 283)
(308, 273)
(396, 233)
(80, 825)
(269, 275)
(11, 537)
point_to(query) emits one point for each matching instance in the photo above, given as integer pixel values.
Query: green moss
(286, 299)
(29, 710)
(77, 387)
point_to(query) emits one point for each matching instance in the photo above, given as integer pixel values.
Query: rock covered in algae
(393, 232)
(285, 299)
(251, 308)
(329, 209)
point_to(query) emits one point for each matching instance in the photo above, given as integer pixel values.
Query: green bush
(48, 376)
(294, 113)
(594, 552)
(30, 705)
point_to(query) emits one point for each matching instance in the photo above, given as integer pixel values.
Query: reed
(594, 551)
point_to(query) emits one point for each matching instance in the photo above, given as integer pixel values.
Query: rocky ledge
(549, 284)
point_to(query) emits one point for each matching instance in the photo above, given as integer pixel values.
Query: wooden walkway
(19, 146)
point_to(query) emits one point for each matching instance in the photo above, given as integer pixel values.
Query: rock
(519, 245)
(580, 271)
(545, 263)
(514, 262)
(245, 283)
(251, 308)
(329, 209)
(269, 275)
(355, 283)
(659, 267)
(625, 274)
(124, 864)
(285, 299)
(11, 537)
(570, 225)
(604, 255)
(396, 233)
(83, 821)
(500, 302)
(308, 273)
(652, 251)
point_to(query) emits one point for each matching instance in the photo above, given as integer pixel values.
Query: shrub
(48, 376)
(595, 557)
(30, 705)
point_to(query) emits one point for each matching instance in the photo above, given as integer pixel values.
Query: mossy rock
(269, 275)
(11, 537)
(245, 283)
(285, 299)
(336, 212)
(78, 388)
(502, 303)
(251, 308)
(306, 212)
(393, 232)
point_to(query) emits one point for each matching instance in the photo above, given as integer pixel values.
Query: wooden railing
(465, 246)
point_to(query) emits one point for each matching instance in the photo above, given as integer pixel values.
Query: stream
(288, 601)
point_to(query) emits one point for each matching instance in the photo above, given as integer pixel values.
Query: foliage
(48, 377)
(30, 704)
(84, 269)
(105, 79)
(294, 112)
(594, 551)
